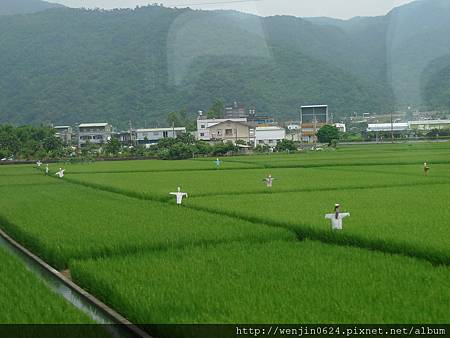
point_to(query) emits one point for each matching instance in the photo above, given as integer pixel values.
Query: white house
(232, 131)
(204, 126)
(341, 126)
(269, 135)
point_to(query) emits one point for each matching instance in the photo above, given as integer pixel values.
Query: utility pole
(315, 128)
(78, 136)
(392, 127)
(130, 126)
(300, 128)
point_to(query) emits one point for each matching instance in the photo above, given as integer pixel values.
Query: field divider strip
(116, 317)
(161, 170)
(303, 233)
(256, 167)
(331, 189)
(342, 169)
(267, 165)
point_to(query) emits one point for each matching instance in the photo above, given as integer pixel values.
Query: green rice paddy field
(239, 252)
(32, 302)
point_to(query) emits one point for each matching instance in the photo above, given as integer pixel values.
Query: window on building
(229, 132)
(165, 134)
(202, 126)
(219, 132)
(202, 134)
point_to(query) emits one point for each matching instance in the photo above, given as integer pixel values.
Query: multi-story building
(232, 131)
(260, 119)
(65, 133)
(203, 125)
(312, 119)
(154, 135)
(236, 111)
(95, 133)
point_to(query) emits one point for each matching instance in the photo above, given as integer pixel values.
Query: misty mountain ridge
(13, 7)
(73, 65)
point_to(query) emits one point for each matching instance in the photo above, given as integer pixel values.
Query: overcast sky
(343, 9)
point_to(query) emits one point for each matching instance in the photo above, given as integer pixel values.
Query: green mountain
(74, 65)
(407, 41)
(11, 7)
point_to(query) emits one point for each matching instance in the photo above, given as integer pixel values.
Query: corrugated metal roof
(387, 126)
(430, 122)
(225, 121)
(268, 128)
(160, 129)
(316, 106)
(88, 125)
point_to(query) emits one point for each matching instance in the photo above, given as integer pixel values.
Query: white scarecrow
(269, 181)
(337, 217)
(60, 173)
(46, 169)
(426, 168)
(39, 163)
(179, 195)
(218, 163)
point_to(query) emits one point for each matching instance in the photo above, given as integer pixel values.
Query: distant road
(398, 142)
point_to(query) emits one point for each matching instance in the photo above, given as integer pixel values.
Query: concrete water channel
(116, 325)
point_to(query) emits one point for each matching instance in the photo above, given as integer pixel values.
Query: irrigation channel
(114, 323)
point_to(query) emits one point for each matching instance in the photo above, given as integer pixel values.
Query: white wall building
(269, 135)
(341, 126)
(429, 124)
(65, 133)
(95, 133)
(152, 136)
(387, 127)
(203, 125)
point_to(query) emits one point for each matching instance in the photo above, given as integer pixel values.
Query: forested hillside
(72, 65)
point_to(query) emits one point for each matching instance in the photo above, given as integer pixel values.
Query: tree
(327, 134)
(286, 145)
(52, 144)
(262, 148)
(173, 119)
(217, 110)
(113, 146)
(186, 138)
(9, 142)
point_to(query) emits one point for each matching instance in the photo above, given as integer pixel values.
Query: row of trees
(29, 142)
